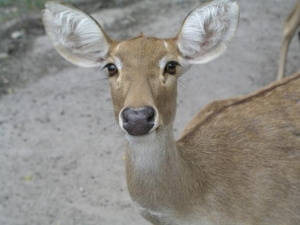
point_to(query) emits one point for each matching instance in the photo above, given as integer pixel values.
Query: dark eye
(111, 68)
(171, 67)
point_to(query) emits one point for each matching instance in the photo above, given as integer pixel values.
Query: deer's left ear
(206, 30)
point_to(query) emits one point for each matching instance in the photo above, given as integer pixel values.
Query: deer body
(235, 181)
(238, 160)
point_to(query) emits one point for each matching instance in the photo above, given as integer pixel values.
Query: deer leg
(283, 55)
(290, 27)
(287, 37)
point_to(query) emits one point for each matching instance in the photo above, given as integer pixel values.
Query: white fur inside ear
(75, 35)
(206, 30)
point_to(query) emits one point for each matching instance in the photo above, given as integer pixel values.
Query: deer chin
(156, 134)
(142, 138)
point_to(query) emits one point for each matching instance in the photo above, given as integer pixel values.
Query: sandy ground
(61, 156)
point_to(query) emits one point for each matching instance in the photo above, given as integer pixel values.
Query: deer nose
(138, 122)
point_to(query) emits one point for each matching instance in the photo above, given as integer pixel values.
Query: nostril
(124, 117)
(151, 117)
(125, 120)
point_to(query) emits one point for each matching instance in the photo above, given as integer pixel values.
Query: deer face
(143, 77)
(142, 71)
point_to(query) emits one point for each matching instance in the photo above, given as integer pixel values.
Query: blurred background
(61, 154)
(20, 24)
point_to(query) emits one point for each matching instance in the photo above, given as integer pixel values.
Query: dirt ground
(61, 155)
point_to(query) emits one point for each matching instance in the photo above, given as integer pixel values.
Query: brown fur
(250, 147)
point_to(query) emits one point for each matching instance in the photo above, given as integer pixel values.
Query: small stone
(3, 55)
(28, 178)
(17, 34)
(4, 80)
(125, 22)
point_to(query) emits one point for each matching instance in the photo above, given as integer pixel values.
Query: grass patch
(26, 4)
(10, 9)
(23, 4)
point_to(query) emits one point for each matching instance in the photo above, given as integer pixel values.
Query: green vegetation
(10, 9)
(24, 4)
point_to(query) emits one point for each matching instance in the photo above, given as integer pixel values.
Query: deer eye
(111, 68)
(171, 67)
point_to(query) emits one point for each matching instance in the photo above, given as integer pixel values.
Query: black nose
(138, 121)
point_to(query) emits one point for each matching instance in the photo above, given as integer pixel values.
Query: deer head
(143, 71)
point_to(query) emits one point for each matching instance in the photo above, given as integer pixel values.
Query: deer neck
(148, 155)
(156, 171)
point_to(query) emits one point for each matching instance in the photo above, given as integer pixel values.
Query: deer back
(249, 149)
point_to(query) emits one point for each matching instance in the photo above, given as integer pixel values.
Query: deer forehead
(143, 53)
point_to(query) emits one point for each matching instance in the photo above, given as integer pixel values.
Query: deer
(292, 23)
(238, 159)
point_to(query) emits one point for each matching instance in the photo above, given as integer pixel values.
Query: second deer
(291, 25)
(238, 160)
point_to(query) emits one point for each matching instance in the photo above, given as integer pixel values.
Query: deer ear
(75, 35)
(206, 30)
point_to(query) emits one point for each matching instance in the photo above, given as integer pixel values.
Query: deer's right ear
(75, 35)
